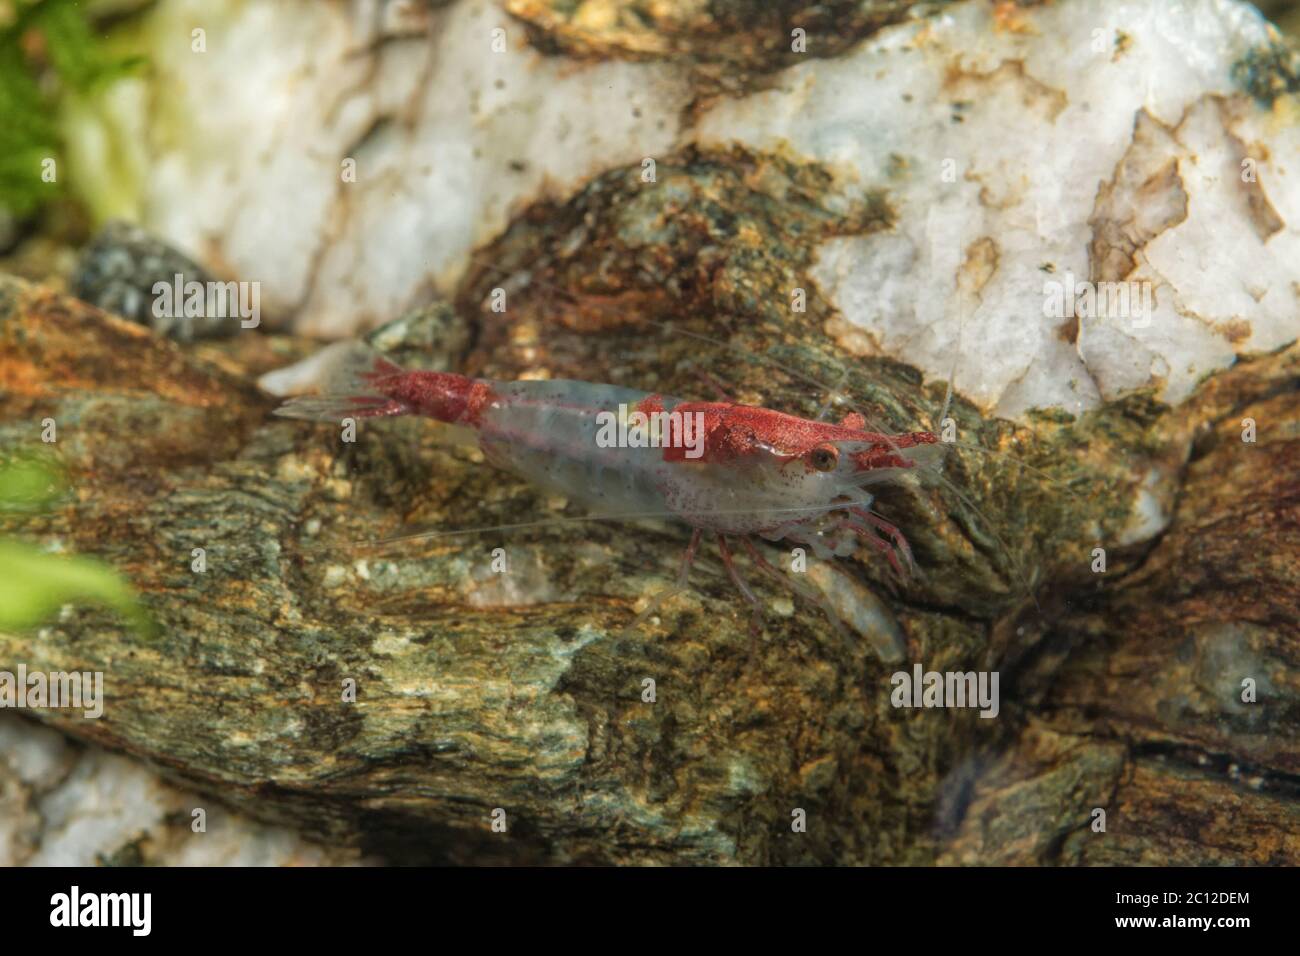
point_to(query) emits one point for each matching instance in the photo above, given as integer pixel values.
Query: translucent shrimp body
(550, 433)
(733, 470)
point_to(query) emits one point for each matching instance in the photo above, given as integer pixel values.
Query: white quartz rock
(67, 805)
(1004, 152)
(445, 137)
(1025, 154)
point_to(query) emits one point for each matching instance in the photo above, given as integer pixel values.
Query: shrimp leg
(756, 625)
(688, 559)
(890, 530)
(713, 384)
(800, 590)
(881, 545)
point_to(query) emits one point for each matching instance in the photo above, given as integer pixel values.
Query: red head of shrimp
(787, 478)
(734, 470)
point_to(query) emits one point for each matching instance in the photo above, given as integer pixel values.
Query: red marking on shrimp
(736, 471)
(734, 431)
(445, 396)
(651, 405)
(885, 454)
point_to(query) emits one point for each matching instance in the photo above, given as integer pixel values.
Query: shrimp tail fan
(343, 380)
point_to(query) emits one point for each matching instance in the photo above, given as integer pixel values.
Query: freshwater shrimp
(729, 470)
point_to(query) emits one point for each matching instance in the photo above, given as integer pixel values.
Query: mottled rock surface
(120, 271)
(524, 691)
(654, 193)
(68, 804)
(1132, 145)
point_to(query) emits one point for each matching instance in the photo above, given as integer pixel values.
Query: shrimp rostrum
(725, 469)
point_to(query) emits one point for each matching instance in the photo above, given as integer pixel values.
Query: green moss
(49, 53)
(34, 584)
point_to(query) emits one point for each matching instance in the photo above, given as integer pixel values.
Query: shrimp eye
(825, 457)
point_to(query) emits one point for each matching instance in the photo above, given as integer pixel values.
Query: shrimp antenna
(749, 356)
(956, 356)
(992, 453)
(720, 343)
(668, 326)
(992, 529)
(807, 379)
(431, 533)
(943, 417)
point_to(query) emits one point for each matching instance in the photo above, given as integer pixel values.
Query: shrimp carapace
(734, 470)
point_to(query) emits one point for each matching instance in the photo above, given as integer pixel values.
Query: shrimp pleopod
(730, 470)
